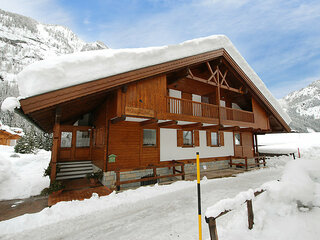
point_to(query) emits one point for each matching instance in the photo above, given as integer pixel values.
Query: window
(149, 137)
(237, 139)
(214, 139)
(83, 139)
(66, 139)
(187, 138)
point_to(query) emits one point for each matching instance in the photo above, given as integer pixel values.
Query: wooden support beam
(148, 122)
(55, 144)
(230, 128)
(212, 127)
(249, 129)
(167, 124)
(118, 119)
(191, 126)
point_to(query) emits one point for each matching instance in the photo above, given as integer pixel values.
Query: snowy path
(167, 216)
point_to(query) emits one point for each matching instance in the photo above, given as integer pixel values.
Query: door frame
(73, 148)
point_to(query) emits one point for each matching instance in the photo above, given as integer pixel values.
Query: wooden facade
(206, 97)
(7, 138)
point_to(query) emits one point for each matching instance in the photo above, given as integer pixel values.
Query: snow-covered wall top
(72, 69)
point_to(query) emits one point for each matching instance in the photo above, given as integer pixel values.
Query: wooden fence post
(230, 162)
(212, 228)
(250, 214)
(246, 162)
(182, 170)
(118, 180)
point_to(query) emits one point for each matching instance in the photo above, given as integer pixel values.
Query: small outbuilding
(9, 135)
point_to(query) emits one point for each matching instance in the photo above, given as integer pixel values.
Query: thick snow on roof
(11, 130)
(72, 69)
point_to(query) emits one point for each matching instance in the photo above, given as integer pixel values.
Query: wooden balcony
(197, 110)
(238, 115)
(191, 108)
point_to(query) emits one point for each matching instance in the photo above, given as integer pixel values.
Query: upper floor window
(237, 139)
(149, 137)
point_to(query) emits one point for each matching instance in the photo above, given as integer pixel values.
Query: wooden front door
(75, 143)
(243, 144)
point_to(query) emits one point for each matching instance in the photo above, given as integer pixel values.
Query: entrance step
(74, 162)
(73, 170)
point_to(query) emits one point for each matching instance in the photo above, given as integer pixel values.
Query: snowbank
(72, 69)
(286, 143)
(298, 184)
(21, 176)
(288, 209)
(9, 104)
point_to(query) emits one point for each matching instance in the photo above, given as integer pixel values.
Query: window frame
(192, 140)
(89, 138)
(217, 138)
(61, 139)
(150, 146)
(240, 139)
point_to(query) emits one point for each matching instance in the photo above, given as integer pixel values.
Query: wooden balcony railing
(197, 109)
(236, 115)
(192, 108)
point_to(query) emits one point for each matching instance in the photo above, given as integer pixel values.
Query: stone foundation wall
(109, 178)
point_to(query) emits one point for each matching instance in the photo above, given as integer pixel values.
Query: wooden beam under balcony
(168, 124)
(148, 122)
(212, 127)
(191, 126)
(118, 119)
(230, 129)
(249, 129)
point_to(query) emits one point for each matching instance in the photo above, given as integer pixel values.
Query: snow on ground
(170, 211)
(288, 142)
(289, 209)
(21, 175)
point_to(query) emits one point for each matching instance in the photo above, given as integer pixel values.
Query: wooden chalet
(156, 117)
(9, 136)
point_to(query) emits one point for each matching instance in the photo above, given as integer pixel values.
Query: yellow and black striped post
(199, 196)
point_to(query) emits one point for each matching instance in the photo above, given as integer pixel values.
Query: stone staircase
(73, 170)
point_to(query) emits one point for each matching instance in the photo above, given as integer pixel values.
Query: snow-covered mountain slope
(23, 40)
(303, 106)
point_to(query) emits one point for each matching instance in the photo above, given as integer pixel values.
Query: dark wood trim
(168, 124)
(231, 129)
(148, 122)
(191, 126)
(118, 119)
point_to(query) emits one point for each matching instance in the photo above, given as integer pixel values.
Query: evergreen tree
(25, 144)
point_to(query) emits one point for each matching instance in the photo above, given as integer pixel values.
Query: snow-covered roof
(73, 69)
(11, 130)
